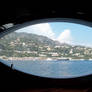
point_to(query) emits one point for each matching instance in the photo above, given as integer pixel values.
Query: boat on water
(62, 59)
(48, 59)
(58, 59)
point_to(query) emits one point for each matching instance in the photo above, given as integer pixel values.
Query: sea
(52, 69)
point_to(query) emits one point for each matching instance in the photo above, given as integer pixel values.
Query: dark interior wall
(11, 79)
(19, 15)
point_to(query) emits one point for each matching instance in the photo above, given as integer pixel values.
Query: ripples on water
(53, 69)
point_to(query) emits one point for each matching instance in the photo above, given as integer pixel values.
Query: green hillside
(32, 45)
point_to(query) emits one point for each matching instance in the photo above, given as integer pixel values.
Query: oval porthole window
(52, 48)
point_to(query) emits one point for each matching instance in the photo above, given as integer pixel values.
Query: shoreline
(43, 58)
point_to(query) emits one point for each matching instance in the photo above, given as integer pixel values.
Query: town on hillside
(23, 46)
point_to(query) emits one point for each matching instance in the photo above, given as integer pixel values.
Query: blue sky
(80, 33)
(63, 31)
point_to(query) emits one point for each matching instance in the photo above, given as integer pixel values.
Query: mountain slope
(32, 45)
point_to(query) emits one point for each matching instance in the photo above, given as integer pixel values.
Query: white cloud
(65, 37)
(39, 29)
(46, 30)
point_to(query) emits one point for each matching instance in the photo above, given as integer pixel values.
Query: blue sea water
(53, 69)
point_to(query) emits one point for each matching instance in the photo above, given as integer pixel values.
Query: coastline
(43, 58)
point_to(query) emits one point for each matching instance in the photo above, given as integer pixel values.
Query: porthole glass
(49, 48)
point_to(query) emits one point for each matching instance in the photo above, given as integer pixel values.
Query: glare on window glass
(51, 49)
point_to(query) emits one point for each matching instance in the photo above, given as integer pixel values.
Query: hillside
(32, 45)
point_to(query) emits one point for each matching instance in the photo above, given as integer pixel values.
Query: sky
(64, 32)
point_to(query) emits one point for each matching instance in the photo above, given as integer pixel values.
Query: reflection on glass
(53, 49)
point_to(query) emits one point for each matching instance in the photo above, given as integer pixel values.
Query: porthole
(51, 48)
